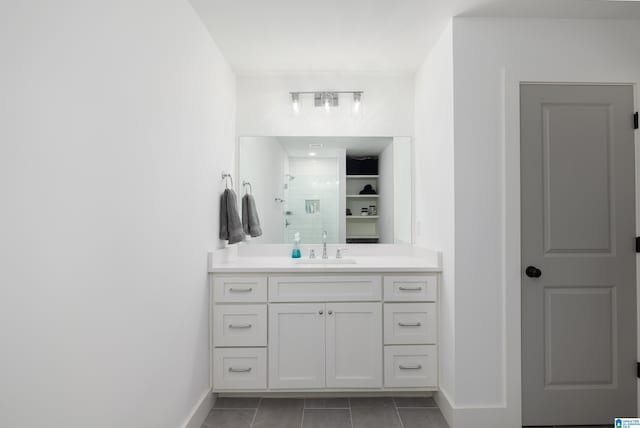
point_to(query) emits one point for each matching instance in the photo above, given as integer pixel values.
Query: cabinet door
(354, 345)
(296, 345)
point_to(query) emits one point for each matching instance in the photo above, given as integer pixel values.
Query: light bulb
(356, 101)
(327, 102)
(312, 154)
(295, 102)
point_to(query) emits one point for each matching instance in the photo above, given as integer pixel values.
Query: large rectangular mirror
(357, 189)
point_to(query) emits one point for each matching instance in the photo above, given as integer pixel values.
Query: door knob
(533, 272)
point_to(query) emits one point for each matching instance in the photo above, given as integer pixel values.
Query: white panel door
(354, 345)
(296, 345)
(578, 260)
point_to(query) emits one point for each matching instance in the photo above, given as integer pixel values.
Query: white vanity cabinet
(335, 331)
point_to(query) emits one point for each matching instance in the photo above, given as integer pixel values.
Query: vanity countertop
(368, 258)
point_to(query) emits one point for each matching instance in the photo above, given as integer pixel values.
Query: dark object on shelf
(362, 240)
(368, 190)
(349, 211)
(362, 165)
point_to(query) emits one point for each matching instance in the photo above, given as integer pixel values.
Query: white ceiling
(259, 36)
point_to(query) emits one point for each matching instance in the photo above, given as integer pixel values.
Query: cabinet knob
(320, 312)
(330, 312)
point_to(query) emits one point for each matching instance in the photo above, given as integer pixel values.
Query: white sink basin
(325, 261)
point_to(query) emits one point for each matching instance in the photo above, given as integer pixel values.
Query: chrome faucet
(324, 245)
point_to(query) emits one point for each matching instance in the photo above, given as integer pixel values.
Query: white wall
(261, 162)
(264, 105)
(491, 58)
(434, 188)
(116, 119)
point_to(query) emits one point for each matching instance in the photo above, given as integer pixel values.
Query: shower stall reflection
(312, 199)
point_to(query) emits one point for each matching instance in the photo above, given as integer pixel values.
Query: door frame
(511, 281)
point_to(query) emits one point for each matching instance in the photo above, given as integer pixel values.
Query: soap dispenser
(295, 252)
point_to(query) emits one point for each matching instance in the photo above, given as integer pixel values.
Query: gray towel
(230, 226)
(250, 220)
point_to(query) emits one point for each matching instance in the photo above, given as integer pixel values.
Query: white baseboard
(200, 411)
(475, 417)
(442, 400)
(485, 417)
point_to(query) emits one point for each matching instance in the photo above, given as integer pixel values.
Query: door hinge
(635, 120)
(638, 368)
(637, 244)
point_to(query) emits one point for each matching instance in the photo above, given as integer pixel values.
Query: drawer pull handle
(415, 367)
(240, 370)
(239, 325)
(408, 288)
(241, 290)
(410, 324)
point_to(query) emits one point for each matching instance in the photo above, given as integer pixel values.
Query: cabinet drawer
(409, 323)
(240, 325)
(324, 288)
(410, 366)
(410, 288)
(239, 368)
(232, 289)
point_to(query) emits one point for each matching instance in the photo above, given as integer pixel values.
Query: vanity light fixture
(326, 99)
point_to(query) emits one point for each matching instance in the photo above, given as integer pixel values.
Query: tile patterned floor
(373, 412)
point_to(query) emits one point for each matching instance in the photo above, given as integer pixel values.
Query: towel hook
(246, 183)
(226, 182)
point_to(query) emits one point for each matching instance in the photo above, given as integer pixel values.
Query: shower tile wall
(312, 199)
